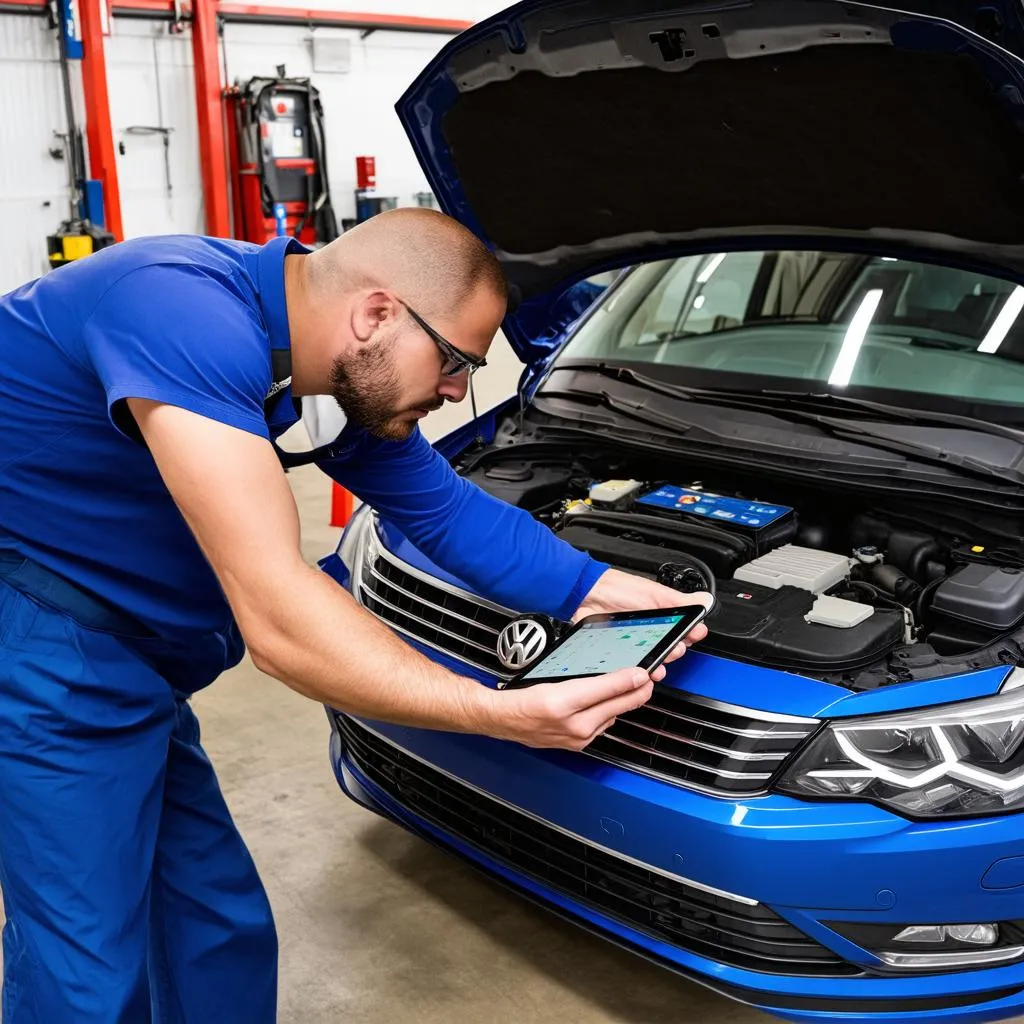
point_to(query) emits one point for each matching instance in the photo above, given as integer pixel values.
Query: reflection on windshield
(853, 339)
(831, 318)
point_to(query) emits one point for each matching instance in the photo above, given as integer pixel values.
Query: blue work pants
(130, 896)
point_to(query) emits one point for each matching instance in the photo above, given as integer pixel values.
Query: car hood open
(575, 136)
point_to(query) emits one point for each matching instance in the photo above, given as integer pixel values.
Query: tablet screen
(601, 647)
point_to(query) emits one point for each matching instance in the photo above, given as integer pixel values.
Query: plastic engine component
(793, 566)
(834, 611)
(767, 626)
(986, 595)
(763, 625)
(975, 605)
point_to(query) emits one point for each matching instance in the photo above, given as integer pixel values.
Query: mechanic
(148, 536)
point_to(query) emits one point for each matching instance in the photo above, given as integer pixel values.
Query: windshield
(838, 322)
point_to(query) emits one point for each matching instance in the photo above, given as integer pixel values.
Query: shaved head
(390, 317)
(430, 260)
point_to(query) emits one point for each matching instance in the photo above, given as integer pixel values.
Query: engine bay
(807, 579)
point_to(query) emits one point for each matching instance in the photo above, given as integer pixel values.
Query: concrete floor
(376, 926)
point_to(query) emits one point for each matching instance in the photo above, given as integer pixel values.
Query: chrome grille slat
(437, 586)
(743, 738)
(756, 734)
(721, 773)
(457, 629)
(430, 625)
(416, 597)
(734, 755)
(427, 643)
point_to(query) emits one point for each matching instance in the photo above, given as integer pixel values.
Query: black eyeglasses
(455, 360)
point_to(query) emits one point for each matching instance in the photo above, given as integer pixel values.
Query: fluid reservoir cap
(868, 554)
(1007, 873)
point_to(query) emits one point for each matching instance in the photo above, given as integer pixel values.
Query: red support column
(99, 132)
(210, 116)
(341, 505)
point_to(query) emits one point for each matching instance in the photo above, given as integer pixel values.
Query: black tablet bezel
(650, 660)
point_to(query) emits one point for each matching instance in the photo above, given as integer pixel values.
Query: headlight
(962, 760)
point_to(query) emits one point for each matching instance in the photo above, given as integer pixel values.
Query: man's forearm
(322, 644)
(301, 627)
(500, 551)
(319, 642)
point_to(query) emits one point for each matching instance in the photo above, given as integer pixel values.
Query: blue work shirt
(191, 321)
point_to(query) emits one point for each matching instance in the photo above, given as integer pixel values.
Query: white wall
(358, 109)
(33, 185)
(151, 82)
(359, 114)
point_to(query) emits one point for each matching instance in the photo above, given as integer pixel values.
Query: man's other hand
(617, 591)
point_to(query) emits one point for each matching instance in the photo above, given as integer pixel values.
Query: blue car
(804, 389)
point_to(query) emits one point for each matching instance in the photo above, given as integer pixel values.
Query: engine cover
(767, 625)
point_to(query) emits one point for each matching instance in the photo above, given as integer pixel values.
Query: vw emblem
(521, 643)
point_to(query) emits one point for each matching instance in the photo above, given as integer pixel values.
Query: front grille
(724, 929)
(705, 745)
(440, 616)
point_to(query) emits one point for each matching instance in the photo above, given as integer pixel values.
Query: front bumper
(802, 864)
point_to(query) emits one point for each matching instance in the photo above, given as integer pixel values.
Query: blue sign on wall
(71, 26)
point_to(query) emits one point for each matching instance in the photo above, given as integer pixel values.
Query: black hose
(925, 595)
(309, 207)
(876, 593)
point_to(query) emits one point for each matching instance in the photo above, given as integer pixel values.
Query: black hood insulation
(854, 139)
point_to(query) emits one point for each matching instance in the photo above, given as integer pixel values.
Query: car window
(838, 320)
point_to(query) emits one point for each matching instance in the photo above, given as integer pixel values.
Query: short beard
(367, 386)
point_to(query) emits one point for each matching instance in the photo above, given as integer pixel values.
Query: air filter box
(793, 566)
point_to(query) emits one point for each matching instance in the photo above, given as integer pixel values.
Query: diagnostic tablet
(607, 643)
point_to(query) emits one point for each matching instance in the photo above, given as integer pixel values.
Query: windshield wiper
(757, 400)
(943, 344)
(782, 404)
(896, 412)
(685, 335)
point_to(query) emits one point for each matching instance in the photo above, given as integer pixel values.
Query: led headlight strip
(977, 745)
(951, 766)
